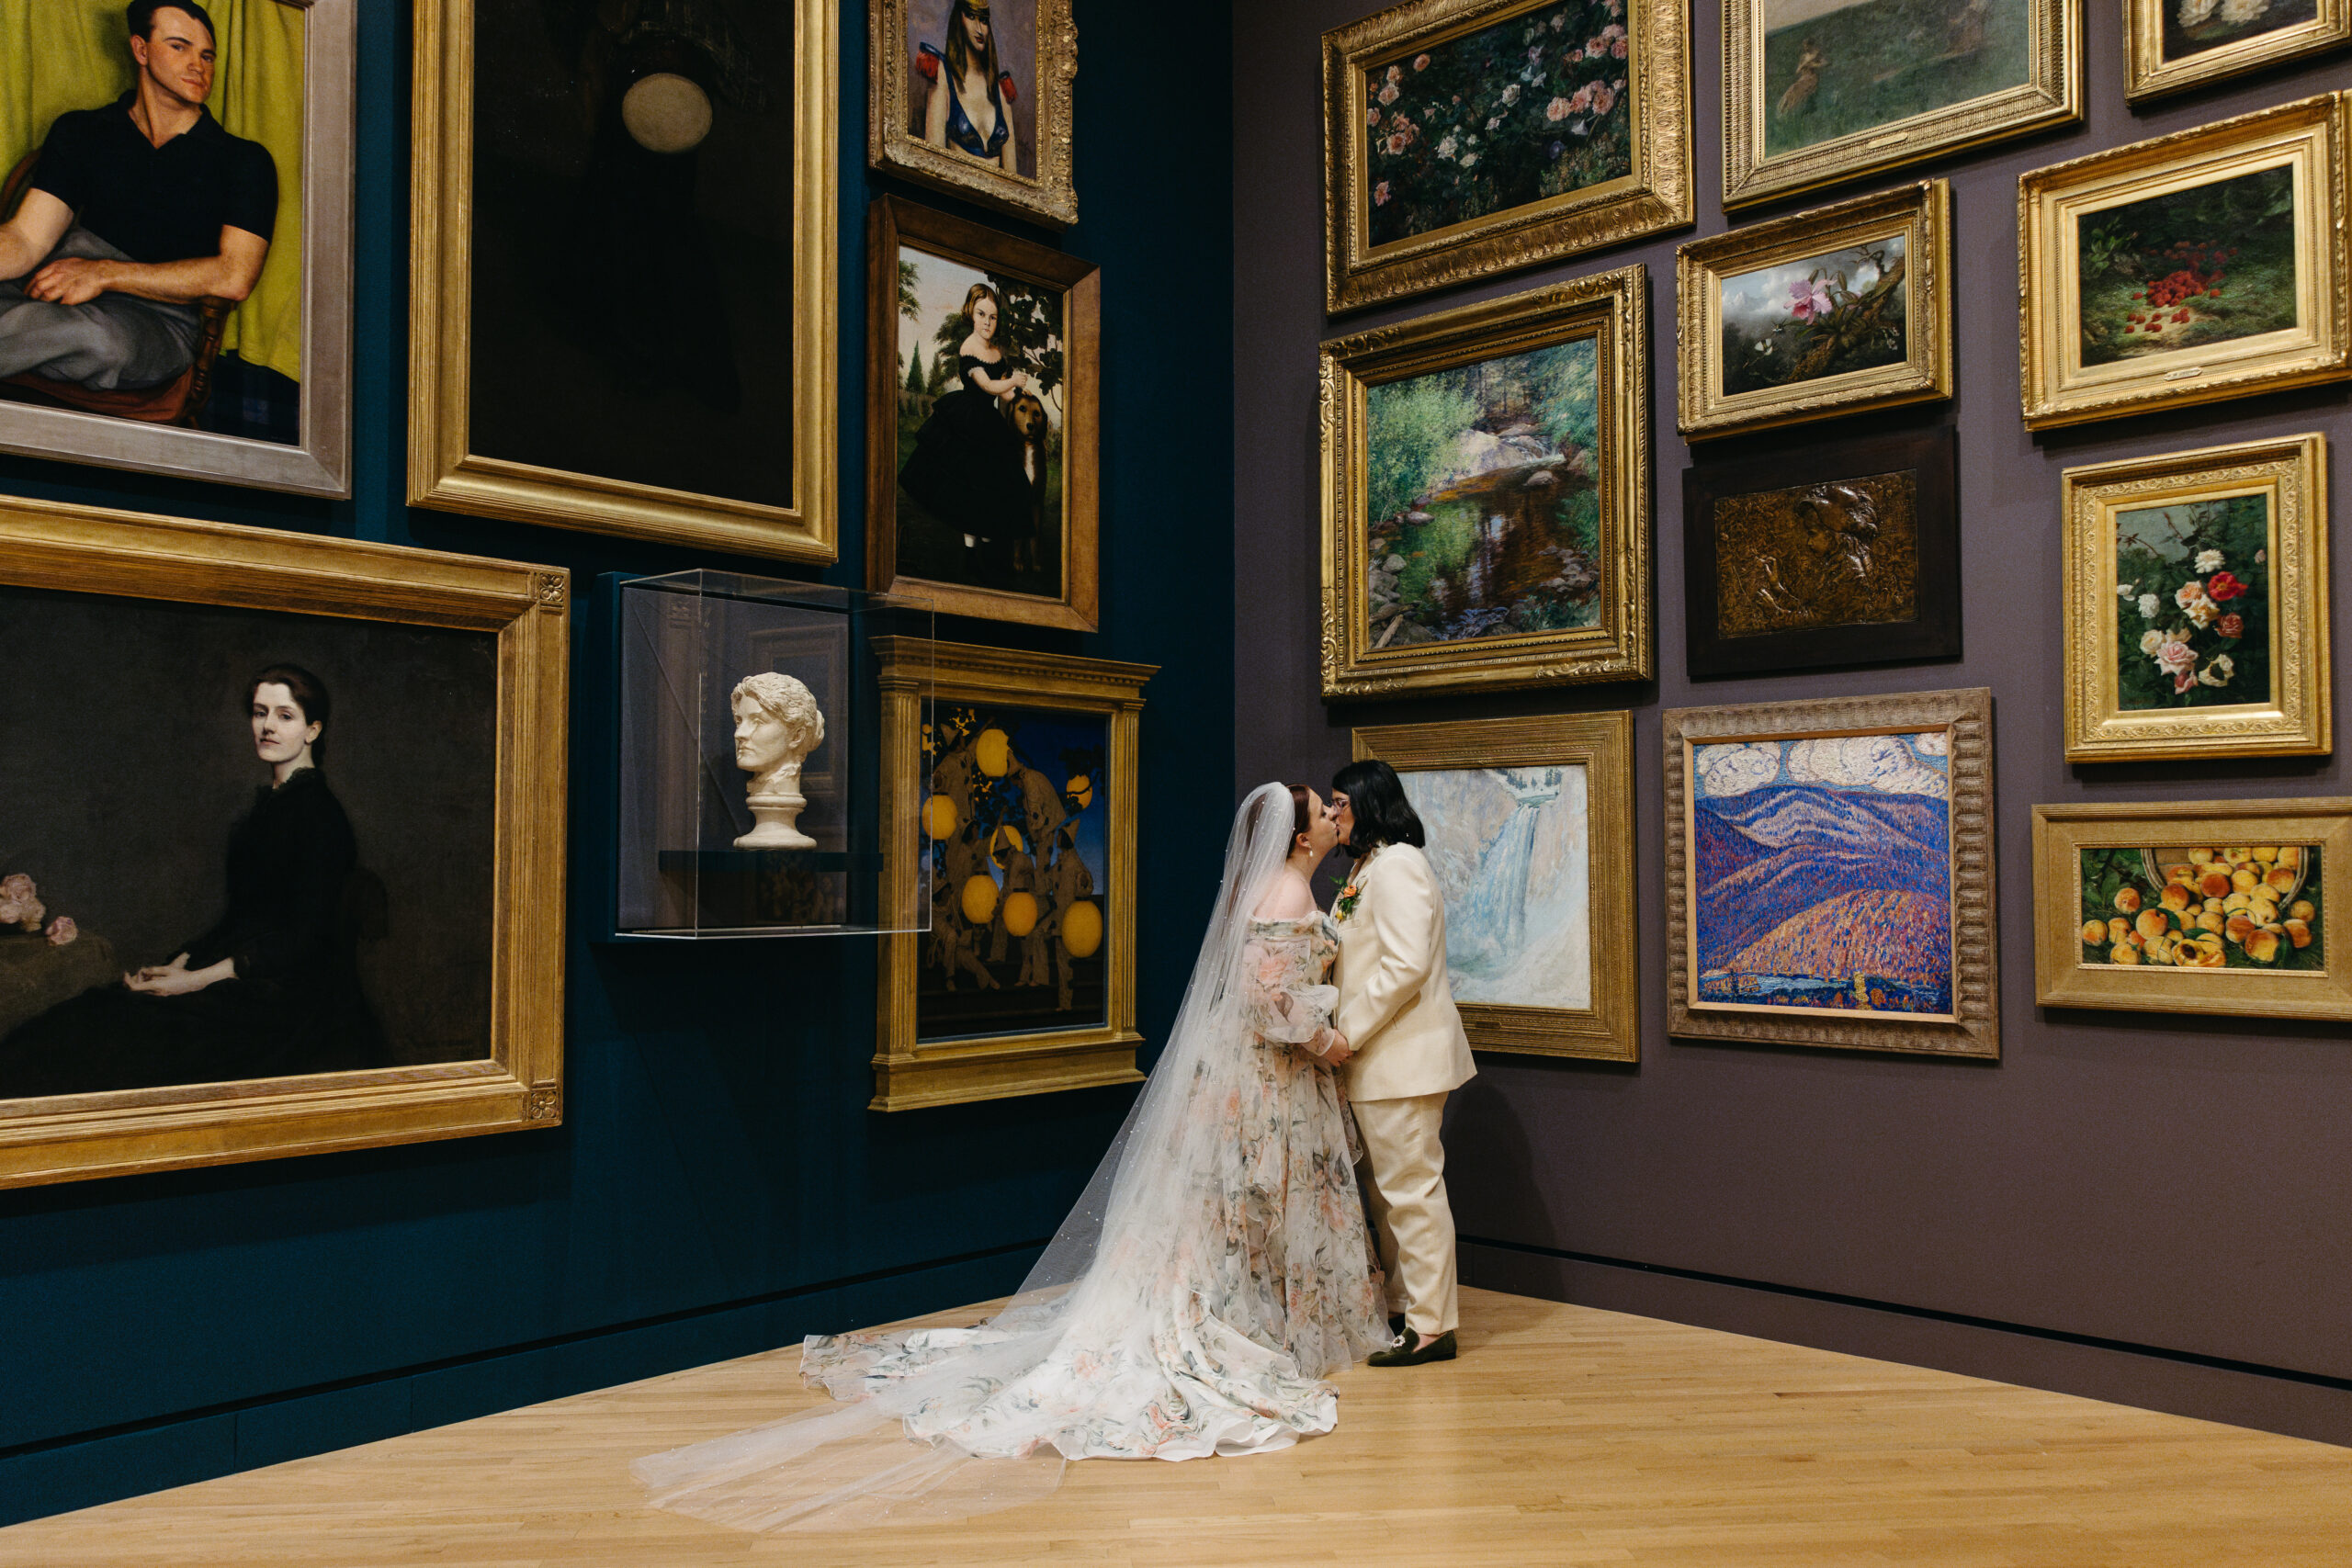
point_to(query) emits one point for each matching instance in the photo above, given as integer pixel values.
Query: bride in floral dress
(1215, 1270)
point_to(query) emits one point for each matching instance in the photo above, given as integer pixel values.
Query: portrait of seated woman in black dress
(272, 989)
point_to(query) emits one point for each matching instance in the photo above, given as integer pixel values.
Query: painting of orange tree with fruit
(2203, 907)
(1016, 847)
(2188, 269)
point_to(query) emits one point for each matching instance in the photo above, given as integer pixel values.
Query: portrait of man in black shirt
(135, 212)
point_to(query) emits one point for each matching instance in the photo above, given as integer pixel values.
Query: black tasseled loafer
(1415, 1351)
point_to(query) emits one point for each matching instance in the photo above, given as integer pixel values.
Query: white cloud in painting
(1932, 743)
(1734, 768)
(1880, 763)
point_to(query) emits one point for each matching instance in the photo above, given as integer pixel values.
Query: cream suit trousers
(1409, 1212)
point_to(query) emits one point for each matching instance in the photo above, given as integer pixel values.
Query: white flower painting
(1512, 850)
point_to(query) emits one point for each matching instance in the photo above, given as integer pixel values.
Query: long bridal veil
(1104, 1339)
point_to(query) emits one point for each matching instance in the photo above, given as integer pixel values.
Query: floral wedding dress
(1217, 1267)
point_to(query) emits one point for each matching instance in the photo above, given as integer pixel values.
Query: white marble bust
(777, 723)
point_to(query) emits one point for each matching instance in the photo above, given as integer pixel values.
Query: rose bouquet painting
(2193, 612)
(2209, 264)
(1823, 315)
(1527, 108)
(2203, 907)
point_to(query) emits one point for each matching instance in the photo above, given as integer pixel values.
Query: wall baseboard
(40, 1479)
(2295, 1405)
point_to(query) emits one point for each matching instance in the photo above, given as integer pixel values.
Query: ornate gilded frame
(891, 222)
(319, 463)
(2292, 472)
(1051, 197)
(1656, 196)
(86, 549)
(1920, 214)
(2312, 136)
(1966, 716)
(1611, 307)
(446, 474)
(2147, 75)
(2061, 978)
(1602, 744)
(2051, 96)
(910, 1072)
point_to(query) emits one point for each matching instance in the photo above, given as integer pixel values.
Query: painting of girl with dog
(982, 407)
(983, 466)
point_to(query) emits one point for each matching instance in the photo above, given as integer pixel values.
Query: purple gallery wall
(2149, 1208)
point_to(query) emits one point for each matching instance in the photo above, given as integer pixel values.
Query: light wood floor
(1563, 1435)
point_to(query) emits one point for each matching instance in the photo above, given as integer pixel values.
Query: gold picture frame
(88, 550)
(1048, 194)
(2089, 229)
(445, 472)
(2253, 965)
(960, 249)
(1907, 229)
(1831, 830)
(2049, 94)
(1654, 194)
(956, 1064)
(1602, 323)
(2149, 75)
(2188, 513)
(317, 226)
(1535, 754)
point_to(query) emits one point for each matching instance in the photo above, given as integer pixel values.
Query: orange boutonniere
(1346, 904)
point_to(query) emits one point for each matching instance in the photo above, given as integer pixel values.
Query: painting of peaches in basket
(2203, 908)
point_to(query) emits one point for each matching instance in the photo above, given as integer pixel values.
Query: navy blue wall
(718, 1187)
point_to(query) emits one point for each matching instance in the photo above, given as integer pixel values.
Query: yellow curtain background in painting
(57, 55)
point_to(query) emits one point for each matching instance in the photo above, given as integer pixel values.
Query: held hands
(72, 280)
(1340, 1050)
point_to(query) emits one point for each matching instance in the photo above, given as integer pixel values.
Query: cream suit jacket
(1395, 1003)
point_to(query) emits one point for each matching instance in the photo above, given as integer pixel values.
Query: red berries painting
(2210, 264)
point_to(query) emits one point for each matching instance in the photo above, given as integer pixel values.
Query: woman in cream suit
(1396, 1011)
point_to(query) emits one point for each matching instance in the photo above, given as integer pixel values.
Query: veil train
(1114, 1347)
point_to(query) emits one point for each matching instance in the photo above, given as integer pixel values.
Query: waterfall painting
(1512, 850)
(1530, 825)
(1831, 878)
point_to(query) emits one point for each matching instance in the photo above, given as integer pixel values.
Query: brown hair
(973, 296)
(1302, 813)
(959, 52)
(310, 694)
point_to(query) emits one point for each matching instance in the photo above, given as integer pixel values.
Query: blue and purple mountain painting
(1820, 874)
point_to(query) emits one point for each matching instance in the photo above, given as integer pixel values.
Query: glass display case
(747, 760)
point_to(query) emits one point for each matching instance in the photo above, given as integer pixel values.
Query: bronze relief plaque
(1845, 553)
(1842, 553)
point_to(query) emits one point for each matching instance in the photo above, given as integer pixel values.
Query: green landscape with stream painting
(1483, 514)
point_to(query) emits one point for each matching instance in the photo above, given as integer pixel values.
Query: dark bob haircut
(141, 14)
(1377, 795)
